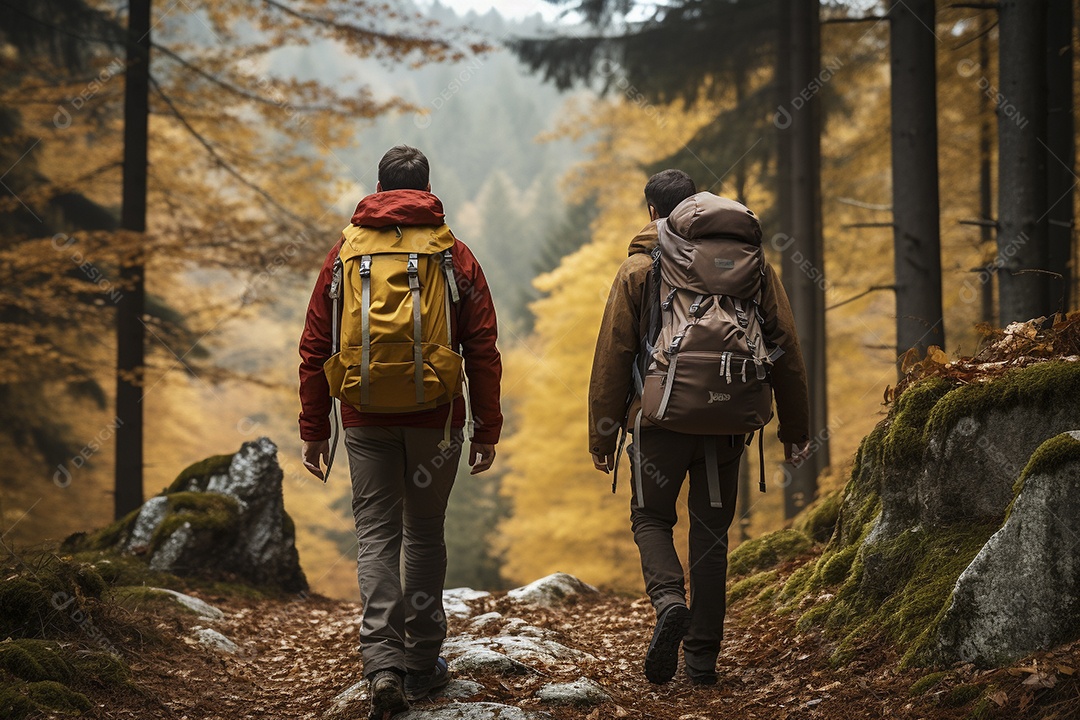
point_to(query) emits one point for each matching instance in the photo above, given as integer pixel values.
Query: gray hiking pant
(401, 481)
(666, 459)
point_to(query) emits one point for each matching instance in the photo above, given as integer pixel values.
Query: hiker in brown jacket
(667, 457)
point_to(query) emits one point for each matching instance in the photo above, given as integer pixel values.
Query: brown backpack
(705, 363)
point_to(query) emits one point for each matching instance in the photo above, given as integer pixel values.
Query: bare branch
(864, 293)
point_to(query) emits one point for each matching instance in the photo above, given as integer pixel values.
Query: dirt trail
(296, 656)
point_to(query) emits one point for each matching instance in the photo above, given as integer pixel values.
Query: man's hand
(604, 463)
(796, 454)
(481, 455)
(312, 452)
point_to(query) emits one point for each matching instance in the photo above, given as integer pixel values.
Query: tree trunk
(800, 140)
(130, 333)
(916, 230)
(1023, 288)
(986, 183)
(1060, 144)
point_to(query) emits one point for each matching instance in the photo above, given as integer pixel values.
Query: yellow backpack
(395, 285)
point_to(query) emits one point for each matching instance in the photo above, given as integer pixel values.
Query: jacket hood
(707, 215)
(645, 240)
(399, 207)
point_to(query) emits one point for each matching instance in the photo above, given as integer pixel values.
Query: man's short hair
(404, 168)
(668, 188)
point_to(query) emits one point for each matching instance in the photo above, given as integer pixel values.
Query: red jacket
(472, 322)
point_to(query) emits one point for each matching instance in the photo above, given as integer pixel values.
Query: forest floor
(297, 655)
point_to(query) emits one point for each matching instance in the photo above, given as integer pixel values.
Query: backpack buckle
(674, 346)
(666, 304)
(413, 268)
(365, 266)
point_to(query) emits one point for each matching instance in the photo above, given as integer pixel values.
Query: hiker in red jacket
(402, 470)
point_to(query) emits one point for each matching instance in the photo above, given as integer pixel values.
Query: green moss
(106, 538)
(961, 695)
(904, 441)
(1040, 385)
(749, 586)
(204, 511)
(102, 668)
(13, 704)
(927, 683)
(812, 617)
(34, 660)
(52, 695)
(767, 551)
(835, 569)
(118, 570)
(818, 520)
(799, 584)
(1048, 458)
(38, 599)
(213, 465)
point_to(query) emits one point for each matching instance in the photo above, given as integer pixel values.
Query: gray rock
(461, 689)
(487, 621)
(473, 711)
(581, 692)
(1021, 594)
(150, 516)
(531, 650)
(456, 601)
(552, 591)
(258, 546)
(214, 640)
(200, 607)
(484, 660)
(349, 699)
(167, 556)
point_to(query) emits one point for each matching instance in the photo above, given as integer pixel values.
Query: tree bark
(986, 182)
(800, 198)
(1060, 144)
(130, 331)
(1022, 171)
(916, 229)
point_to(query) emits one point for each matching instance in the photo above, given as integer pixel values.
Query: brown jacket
(620, 337)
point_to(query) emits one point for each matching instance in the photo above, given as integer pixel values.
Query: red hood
(398, 207)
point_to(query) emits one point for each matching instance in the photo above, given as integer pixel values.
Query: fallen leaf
(1041, 679)
(999, 698)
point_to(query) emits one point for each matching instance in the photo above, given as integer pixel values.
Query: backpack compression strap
(334, 293)
(365, 329)
(418, 355)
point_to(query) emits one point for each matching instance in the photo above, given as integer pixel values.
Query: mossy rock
(106, 538)
(13, 704)
(1051, 456)
(767, 551)
(1041, 385)
(35, 660)
(51, 695)
(44, 598)
(751, 585)
(203, 511)
(200, 471)
(818, 520)
(905, 440)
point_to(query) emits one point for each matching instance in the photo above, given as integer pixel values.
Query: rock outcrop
(1022, 592)
(222, 516)
(937, 545)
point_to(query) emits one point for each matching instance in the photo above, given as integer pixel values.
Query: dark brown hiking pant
(666, 459)
(401, 481)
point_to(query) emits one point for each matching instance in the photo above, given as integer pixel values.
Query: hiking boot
(420, 685)
(387, 694)
(662, 659)
(701, 677)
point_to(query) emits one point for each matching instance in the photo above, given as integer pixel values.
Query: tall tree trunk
(1060, 144)
(1022, 174)
(802, 218)
(986, 182)
(130, 331)
(916, 221)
